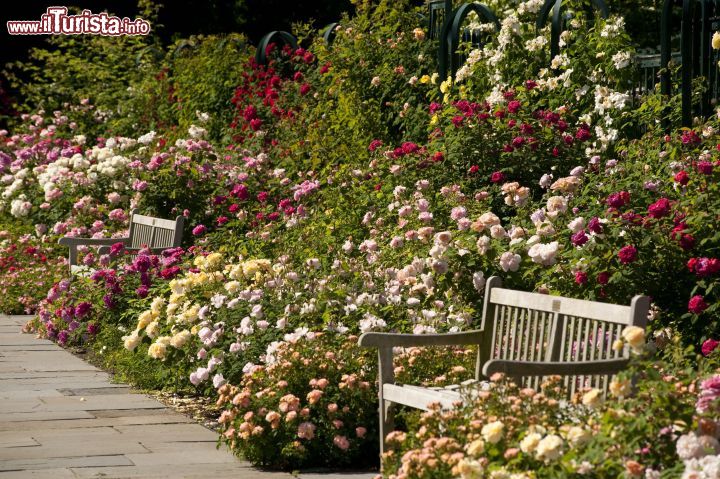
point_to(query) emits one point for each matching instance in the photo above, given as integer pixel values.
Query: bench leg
(387, 376)
(387, 423)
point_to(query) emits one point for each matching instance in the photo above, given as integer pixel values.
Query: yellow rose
(716, 41)
(199, 262)
(425, 79)
(445, 86)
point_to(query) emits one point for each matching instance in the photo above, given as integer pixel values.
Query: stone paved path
(61, 418)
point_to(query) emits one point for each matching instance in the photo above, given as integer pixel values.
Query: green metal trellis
(274, 36)
(329, 33)
(448, 58)
(557, 24)
(697, 59)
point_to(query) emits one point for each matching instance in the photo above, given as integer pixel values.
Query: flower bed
(338, 200)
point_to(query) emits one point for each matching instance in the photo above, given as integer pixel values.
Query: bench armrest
(70, 241)
(385, 340)
(530, 368)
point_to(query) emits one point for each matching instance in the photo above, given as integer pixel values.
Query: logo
(56, 21)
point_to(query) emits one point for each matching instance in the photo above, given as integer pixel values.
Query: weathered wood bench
(526, 336)
(157, 234)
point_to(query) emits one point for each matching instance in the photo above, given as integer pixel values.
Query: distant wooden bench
(157, 234)
(526, 336)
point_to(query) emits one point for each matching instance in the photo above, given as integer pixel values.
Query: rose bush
(345, 188)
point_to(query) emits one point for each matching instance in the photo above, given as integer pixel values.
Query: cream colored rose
(232, 287)
(152, 329)
(131, 341)
(592, 398)
(493, 432)
(549, 447)
(530, 442)
(180, 339)
(489, 219)
(578, 435)
(469, 469)
(213, 261)
(476, 447)
(157, 351)
(620, 387)
(635, 337)
(557, 204)
(157, 305)
(199, 262)
(716, 41)
(568, 184)
(144, 319)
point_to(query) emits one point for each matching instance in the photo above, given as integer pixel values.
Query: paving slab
(61, 418)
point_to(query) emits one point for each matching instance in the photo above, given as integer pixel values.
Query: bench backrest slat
(534, 327)
(568, 306)
(155, 232)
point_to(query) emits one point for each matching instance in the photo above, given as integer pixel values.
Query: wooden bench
(145, 231)
(526, 336)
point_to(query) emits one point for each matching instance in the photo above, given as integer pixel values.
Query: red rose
(682, 178)
(497, 177)
(697, 304)
(627, 254)
(659, 209)
(709, 346)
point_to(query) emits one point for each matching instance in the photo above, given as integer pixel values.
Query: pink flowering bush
(508, 431)
(28, 268)
(313, 404)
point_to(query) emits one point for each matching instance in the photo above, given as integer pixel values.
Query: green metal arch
(450, 35)
(557, 26)
(276, 35)
(329, 33)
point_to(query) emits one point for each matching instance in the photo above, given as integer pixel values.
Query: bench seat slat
(419, 397)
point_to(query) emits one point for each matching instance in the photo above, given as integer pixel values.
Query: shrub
(311, 404)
